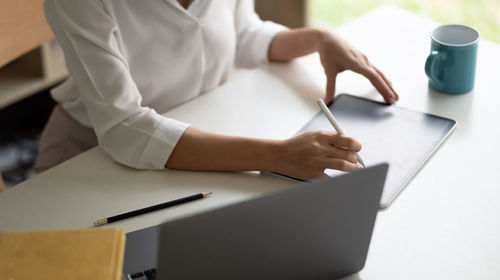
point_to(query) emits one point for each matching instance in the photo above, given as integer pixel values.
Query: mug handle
(429, 64)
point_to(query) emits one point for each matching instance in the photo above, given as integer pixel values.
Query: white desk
(445, 225)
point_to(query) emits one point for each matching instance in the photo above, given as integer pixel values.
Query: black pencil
(150, 209)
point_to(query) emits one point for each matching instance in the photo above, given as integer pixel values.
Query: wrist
(273, 152)
(319, 36)
(324, 38)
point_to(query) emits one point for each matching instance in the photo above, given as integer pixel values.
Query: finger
(342, 165)
(330, 87)
(345, 142)
(389, 83)
(383, 88)
(376, 81)
(340, 153)
(384, 78)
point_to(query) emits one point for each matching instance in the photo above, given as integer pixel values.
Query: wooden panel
(22, 28)
(290, 13)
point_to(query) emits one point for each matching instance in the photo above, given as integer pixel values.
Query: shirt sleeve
(253, 35)
(131, 134)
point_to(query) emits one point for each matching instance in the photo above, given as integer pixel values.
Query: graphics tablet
(401, 137)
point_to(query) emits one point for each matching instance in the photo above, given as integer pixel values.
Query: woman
(129, 60)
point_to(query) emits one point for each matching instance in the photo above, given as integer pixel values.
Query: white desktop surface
(444, 225)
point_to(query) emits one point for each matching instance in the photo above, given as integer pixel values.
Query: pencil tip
(207, 194)
(100, 222)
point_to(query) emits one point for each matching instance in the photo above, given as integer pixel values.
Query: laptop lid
(318, 230)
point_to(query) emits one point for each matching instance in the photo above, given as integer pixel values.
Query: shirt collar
(193, 8)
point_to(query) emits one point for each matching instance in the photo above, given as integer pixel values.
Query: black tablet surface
(401, 137)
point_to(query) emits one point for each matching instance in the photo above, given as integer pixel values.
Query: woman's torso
(173, 53)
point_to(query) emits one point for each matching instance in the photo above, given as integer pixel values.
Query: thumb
(330, 87)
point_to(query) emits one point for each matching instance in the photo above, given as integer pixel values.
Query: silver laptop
(317, 230)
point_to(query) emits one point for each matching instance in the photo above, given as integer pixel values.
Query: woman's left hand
(338, 55)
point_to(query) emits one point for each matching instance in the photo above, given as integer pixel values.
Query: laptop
(317, 230)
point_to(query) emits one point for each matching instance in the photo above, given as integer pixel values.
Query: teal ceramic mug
(451, 65)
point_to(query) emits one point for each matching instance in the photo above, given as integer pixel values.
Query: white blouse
(130, 59)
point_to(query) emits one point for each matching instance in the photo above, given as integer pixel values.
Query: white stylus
(334, 123)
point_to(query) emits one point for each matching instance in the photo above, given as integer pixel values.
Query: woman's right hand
(306, 156)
